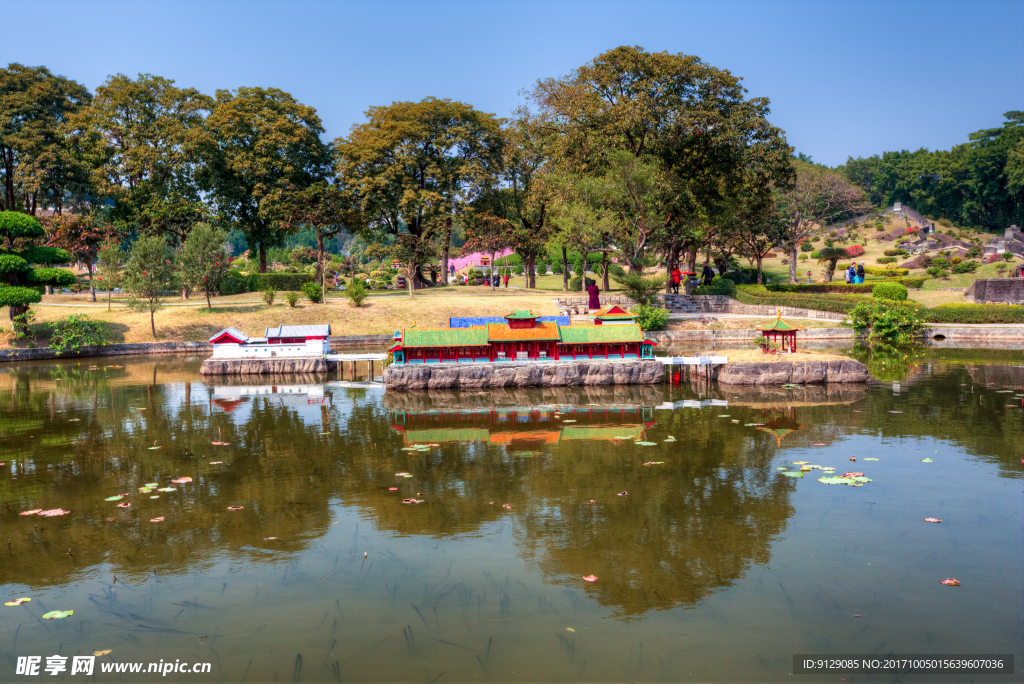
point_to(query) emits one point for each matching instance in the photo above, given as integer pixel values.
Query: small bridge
(369, 358)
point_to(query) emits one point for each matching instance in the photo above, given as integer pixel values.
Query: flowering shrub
(855, 250)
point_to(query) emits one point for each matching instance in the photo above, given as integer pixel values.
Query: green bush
(806, 246)
(232, 283)
(802, 257)
(556, 268)
(887, 320)
(576, 284)
(815, 254)
(966, 267)
(896, 252)
(269, 295)
(718, 286)
(822, 288)
(886, 260)
(577, 266)
(890, 291)
(756, 294)
(650, 317)
(292, 298)
(74, 332)
(356, 292)
(313, 292)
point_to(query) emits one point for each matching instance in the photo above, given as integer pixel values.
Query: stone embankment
(552, 374)
(263, 366)
(795, 372)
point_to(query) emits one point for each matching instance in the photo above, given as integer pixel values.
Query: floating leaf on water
(325, 433)
(407, 476)
(101, 653)
(647, 443)
(861, 479)
(269, 538)
(793, 474)
(853, 474)
(655, 463)
(221, 443)
(590, 501)
(155, 447)
(160, 519)
(124, 504)
(948, 582)
(895, 411)
(488, 503)
(781, 468)
(61, 614)
(401, 474)
(74, 420)
(17, 602)
(392, 489)
(735, 421)
(140, 409)
(114, 498)
(870, 459)
(623, 494)
(412, 501)
(152, 485)
(235, 508)
(155, 496)
(53, 512)
(835, 480)
(932, 520)
(409, 449)
(828, 470)
(167, 489)
(568, 421)
(590, 578)
(725, 415)
(214, 462)
(818, 444)
(748, 424)
(181, 480)
(145, 490)
(800, 462)
(927, 460)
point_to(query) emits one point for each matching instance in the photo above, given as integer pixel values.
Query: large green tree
(39, 164)
(21, 235)
(141, 135)
(260, 141)
(686, 117)
(413, 166)
(146, 275)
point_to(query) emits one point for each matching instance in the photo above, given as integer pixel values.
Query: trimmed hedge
(258, 282)
(877, 271)
(890, 291)
(759, 295)
(844, 288)
(974, 313)
(57, 277)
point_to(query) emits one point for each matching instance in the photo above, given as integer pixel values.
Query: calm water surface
(711, 564)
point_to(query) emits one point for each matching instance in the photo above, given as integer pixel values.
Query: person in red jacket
(677, 278)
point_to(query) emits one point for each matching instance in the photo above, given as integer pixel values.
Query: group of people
(855, 274)
(676, 277)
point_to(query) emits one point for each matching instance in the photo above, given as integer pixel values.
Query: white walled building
(284, 341)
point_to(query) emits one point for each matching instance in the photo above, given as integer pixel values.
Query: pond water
(290, 555)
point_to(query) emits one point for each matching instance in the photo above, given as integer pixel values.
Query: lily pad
(568, 421)
(53, 512)
(145, 490)
(154, 448)
(160, 519)
(152, 485)
(235, 508)
(221, 443)
(781, 468)
(58, 614)
(932, 520)
(800, 462)
(590, 578)
(114, 498)
(835, 480)
(870, 459)
(181, 480)
(17, 601)
(793, 474)
(124, 504)
(948, 582)
(401, 474)
(647, 443)
(655, 463)
(927, 460)
(725, 415)
(32, 512)
(167, 489)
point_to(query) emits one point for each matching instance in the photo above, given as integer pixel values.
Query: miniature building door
(646, 351)
(399, 357)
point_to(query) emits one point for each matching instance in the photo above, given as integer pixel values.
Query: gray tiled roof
(234, 332)
(300, 331)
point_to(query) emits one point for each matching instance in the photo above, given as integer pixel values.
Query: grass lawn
(380, 314)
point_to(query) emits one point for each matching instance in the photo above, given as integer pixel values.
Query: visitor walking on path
(676, 278)
(506, 279)
(707, 275)
(595, 299)
(860, 272)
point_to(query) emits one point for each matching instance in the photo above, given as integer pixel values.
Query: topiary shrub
(576, 284)
(356, 293)
(890, 291)
(292, 298)
(886, 260)
(806, 246)
(802, 257)
(718, 286)
(966, 267)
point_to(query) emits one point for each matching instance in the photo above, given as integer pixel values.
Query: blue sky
(844, 78)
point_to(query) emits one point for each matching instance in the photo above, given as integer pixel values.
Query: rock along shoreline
(512, 374)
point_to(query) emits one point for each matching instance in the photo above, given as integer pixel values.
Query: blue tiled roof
(473, 322)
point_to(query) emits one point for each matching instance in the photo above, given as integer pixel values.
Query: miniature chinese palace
(523, 338)
(612, 315)
(780, 327)
(286, 341)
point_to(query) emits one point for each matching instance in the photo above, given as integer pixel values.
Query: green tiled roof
(623, 431)
(600, 334)
(521, 315)
(500, 332)
(452, 337)
(780, 324)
